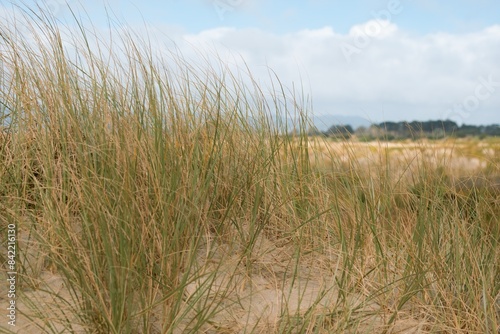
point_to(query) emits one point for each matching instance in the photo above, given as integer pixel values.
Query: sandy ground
(271, 290)
(45, 288)
(254, 297)
(256, 292)
(405, 159)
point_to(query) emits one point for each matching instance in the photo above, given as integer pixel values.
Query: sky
(390, 60)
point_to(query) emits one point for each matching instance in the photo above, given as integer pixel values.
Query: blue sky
(194, 16)
(382, 60)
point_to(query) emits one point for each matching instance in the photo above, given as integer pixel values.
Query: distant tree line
(409, 130)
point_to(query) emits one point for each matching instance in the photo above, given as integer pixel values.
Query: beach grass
(154, 195)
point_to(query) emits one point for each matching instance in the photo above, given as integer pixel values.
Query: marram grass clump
(153, 195)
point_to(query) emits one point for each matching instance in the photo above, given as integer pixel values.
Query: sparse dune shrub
(156, 194)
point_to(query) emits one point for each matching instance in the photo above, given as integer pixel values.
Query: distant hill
(324, 122)
(432, 129)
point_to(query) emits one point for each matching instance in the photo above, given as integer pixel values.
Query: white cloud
(405, 76)
(395, 76)
(374, 28)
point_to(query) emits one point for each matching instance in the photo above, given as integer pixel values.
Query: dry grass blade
(154, 195)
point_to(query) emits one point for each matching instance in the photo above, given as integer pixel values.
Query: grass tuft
(153, 195)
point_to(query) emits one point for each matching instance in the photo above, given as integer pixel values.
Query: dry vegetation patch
(154, 196)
